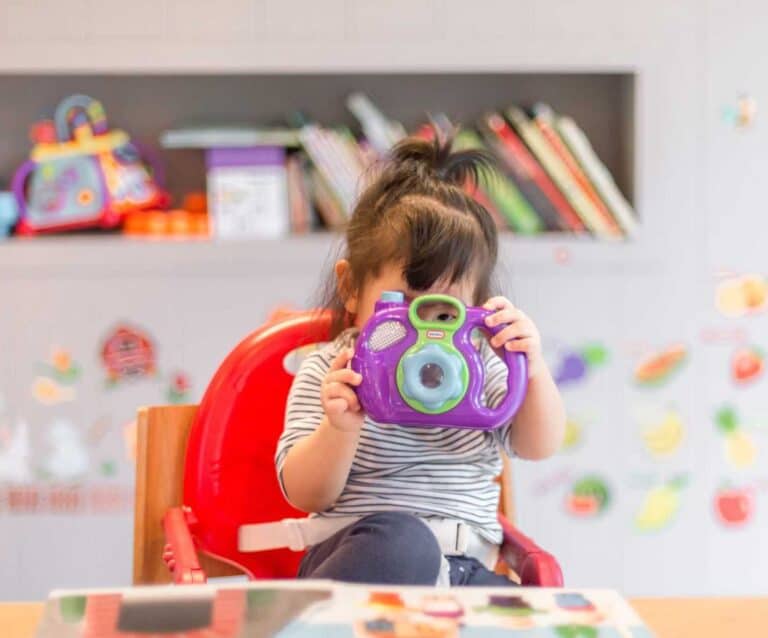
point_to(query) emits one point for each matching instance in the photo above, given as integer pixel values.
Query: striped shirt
(431, 472)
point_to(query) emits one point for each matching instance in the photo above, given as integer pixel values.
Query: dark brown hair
(417, 212)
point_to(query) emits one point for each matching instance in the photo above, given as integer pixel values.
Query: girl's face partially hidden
(362, 304)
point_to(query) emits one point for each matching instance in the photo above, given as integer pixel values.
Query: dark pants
(391, 548)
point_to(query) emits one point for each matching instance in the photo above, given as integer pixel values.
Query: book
(544, 119)
(328, 207)
(529, 176)
(558, 172)
(248, 192)
(381, 132)
(504, 195)
(578, 143)
(306, 608)
(300, 206)
(477, 191)
(339, 160)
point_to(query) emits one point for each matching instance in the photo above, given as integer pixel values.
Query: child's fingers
(345, 375)
(512, 332)
(505, 315)
(336, 407)
(335, 390)
(497, 303)
(341, 359)
(520, 345)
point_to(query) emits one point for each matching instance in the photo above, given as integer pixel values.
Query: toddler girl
(411, 505)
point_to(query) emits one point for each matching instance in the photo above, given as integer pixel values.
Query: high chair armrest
(535, 566)
(180, 553)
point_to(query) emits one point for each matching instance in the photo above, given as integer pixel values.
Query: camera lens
(431, 375)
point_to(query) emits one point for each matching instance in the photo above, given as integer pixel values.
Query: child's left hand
(521, 335)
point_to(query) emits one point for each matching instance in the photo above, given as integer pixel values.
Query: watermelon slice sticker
(588, 497)
(658, 368)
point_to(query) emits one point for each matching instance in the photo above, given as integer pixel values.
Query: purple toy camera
(427, 371)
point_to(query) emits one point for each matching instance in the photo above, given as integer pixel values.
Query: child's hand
(521, 335)
(339, 399)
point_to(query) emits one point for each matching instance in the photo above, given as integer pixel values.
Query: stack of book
(547, 176)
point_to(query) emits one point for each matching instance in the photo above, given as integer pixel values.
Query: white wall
(689, 58)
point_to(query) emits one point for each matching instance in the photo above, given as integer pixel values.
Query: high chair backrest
(229, 472)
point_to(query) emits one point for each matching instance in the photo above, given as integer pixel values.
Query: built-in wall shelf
(145, 106)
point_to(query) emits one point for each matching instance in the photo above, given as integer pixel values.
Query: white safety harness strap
(454, 537)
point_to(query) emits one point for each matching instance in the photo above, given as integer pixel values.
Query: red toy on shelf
(81, 174)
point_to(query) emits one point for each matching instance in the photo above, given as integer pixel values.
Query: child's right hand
(338, 397)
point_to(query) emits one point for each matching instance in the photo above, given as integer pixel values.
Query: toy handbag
(80, 173)
(428, 372)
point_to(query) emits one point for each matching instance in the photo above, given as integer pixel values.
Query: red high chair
(204, 472)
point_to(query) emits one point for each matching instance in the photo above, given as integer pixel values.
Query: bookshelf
(603, 103)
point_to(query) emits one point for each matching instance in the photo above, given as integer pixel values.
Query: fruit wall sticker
(575, 365)
(61, 366)
(663, 438)
(747, 365)
(740, 296)
(657, 368)
(589, 496)
(574, 434)
(734, 506)
(178, 387)
(50, 392)
(128, 353)
(741, 114)
(15, 453)
(660, 505)
(740, 450)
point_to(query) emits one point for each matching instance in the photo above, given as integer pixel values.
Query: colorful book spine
(578, 143)
(559, 173)
(530, 178)
(544, 119)
(520, 215)
(298, 196)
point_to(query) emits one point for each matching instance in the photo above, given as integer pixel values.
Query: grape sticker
(747, 365)
(664, 437)
(734, 506)
(575, 365)
(740, 449)
(589, 496)
(660, 505)
(657, 368)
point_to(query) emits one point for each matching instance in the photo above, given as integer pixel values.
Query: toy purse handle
(517, 369)
(70, 107)
(19, 184)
